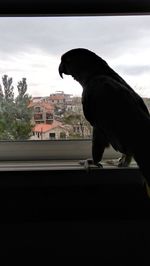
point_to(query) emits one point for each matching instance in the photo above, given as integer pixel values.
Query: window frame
(42, 150)
(75, 7)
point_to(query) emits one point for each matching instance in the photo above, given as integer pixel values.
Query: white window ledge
(49, 150)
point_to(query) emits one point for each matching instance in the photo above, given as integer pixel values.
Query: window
(37, 109)
(52, 136)
(48, 200)
(62, 135)
(30, 54)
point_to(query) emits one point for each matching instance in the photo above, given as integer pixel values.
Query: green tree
(77, 120)
(15, 116)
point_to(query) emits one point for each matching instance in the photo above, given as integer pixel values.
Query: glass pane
(35, 103)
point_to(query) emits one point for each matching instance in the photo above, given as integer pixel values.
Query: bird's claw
(89, 162)
(99, 165)
(125, 160)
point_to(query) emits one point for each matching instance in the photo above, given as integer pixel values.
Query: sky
(32, 47)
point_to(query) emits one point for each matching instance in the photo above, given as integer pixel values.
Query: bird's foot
(99, 165)
(88, 163)
(125, 160)
(122, 163)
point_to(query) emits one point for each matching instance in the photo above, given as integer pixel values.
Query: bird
(118, 115)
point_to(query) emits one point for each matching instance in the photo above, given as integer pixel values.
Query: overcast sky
(32, 48)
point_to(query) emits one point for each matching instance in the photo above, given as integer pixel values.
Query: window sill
(64, 173)
(49, 150)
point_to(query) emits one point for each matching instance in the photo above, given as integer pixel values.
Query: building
(74, 105)
(48, 117)
(52, 131)
(59, 98)
(42, 112)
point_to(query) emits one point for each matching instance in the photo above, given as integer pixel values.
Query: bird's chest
(96, 110)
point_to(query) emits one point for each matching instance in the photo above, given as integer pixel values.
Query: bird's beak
(61, 69)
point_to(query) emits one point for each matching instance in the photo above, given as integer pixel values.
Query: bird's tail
(141, 144)
(143, 162)
(145, 171)
(147, 187)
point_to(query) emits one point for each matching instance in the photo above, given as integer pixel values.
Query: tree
(8, 88)
(79, 124)
(15, 116)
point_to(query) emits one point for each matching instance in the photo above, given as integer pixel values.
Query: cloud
(134, 69)
(106, 35)
(32, 47)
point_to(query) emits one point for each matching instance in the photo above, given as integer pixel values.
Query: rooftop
(46, 127)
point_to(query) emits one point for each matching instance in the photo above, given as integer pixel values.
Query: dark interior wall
(75, 213)
(66, 7)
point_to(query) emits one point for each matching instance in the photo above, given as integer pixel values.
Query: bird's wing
(99, 143)
(112, 106)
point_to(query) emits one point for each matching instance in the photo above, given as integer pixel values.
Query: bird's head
(80, 63)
